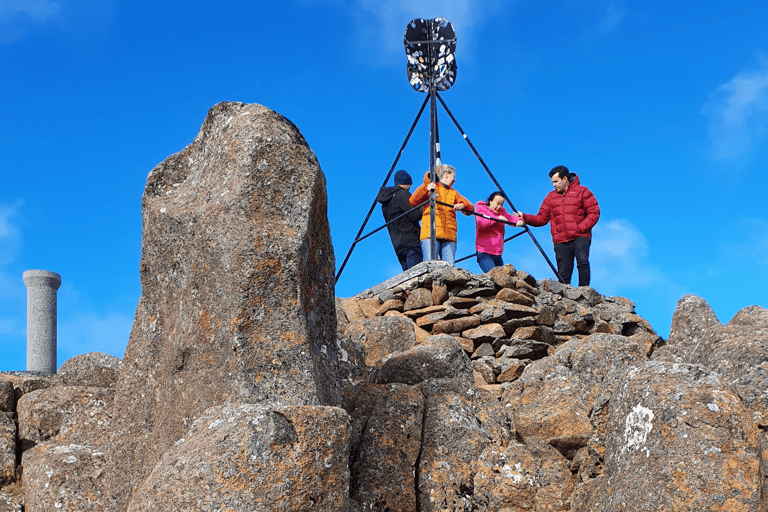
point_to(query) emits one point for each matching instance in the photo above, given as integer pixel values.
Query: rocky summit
(247, 385)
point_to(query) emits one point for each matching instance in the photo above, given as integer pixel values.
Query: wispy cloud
(16, 16)
(738, 112)
(12, 289)
(612, 17)
(10, 235)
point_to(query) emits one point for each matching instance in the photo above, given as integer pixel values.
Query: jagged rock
(515, 311)
(503, 276)
(536, 333)
(64, 477)
(511, 326)
(8, 433)
(7, 401)
(682, 425)
(736, 350)
(485, 333)
(513, 372)
(475, 292)
(418, 299)
(524, 349)
(456, 325)
(249, 457)
(483, 370)
(458, 427)
(691, 320)
(382, 336)
(515, 297)
(358, 309)
(493, 315)
(452, 276)
(439, 292)
(484, 350)
(237, 294)
(548, 401)
(462, 303)
(72, 414)
(522, 478)
(94, 369)
(390, 305)
(384, 462)
(441, 357)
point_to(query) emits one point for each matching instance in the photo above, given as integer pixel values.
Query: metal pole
(527, 229)
(432, 175)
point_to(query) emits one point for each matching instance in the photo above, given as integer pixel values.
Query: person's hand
(518, 214)
(501, 217)
(431, 186)
(520, 223)
(458, 206)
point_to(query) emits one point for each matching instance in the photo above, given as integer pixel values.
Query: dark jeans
(566, 252)
(410, 258)
(489, 261)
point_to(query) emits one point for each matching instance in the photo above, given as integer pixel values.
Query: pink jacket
(489, 234)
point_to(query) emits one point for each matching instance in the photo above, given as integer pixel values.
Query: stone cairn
(503, 320)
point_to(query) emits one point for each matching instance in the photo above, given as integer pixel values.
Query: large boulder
(249, 457)
(94, 369)
(64, 477)
(237, 276)
(678, 438)
(66, 414)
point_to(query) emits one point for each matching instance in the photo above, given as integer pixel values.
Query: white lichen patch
(713, 407)
(637, 426)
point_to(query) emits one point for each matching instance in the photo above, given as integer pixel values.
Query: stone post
(42, 286)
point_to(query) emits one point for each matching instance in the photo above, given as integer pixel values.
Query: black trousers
(566, 252)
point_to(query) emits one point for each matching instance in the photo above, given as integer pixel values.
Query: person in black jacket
(404, 232)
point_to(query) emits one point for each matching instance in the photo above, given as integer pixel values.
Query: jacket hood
(387, 193)
(573, 179)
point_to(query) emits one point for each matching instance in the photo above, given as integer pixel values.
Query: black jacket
(404, 232)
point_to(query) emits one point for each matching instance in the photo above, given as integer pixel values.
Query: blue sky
(660, 107)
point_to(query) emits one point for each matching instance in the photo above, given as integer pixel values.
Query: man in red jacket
(572, 211)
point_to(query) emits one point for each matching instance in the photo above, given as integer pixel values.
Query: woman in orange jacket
(445, 216)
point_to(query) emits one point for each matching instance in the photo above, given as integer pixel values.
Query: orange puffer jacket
(445, 216)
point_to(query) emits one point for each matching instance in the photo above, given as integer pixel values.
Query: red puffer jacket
(571, 215)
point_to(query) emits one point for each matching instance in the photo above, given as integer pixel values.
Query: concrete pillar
(42, 286)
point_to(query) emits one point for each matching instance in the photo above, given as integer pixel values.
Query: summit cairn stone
(237, 276)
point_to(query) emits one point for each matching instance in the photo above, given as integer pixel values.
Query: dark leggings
(565, 254)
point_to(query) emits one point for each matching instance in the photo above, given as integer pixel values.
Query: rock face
(237, 275)
(248, 457)
(248, 386)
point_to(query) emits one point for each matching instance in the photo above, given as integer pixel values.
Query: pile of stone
(504, 319)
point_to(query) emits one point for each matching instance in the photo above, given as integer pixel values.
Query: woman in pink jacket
(489, 233)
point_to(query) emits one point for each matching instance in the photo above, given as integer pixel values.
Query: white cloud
(16, 15)
(738, 113)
